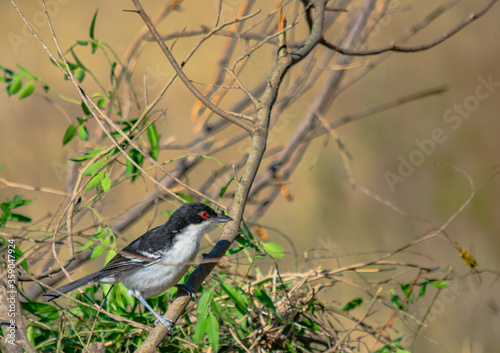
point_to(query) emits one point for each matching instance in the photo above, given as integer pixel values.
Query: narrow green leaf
(422, 290)
(153, 141)
(70, 133)
(15, 86)
(93, 168)
(18, 201)
(264, 299)
(106, 184)
(92, 25)
(27, 89)
(188, 198)
(132, 170)
(353, 304)
(88, 155)
(213, 332)
(85, 109)
(204, 303)
(224, 189)
(274, 250)
(237, 296)
(95, 181)
(20, 218)
(26, 72)
(439, 284)
(83, 43)
(200, 330)
(86, 246)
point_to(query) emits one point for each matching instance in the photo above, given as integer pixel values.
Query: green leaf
(422, 290)
(101, 102)
(26, 72)
(92, 25)
(99, 249)
(202, 311)
(86, 246)
(264, 299)
(83, 43)
(85, 109)
(204, 303)
(27, 90)
(407, 289)
(84, 134)
(398, 303)
(6, 209)
(224, 189)
(20, 218)
(95, 181)
(402, 351)
(132, 170)
(200, 330)
(88, 155)
(14, 86)
(18, 201)
(353, 304)
(213, 332)
(79, 75)
(439, 284)
(237, 296)
(70, 133)
(95, 45)
(188, 198)
(106, 184)
(153, 141)
(274, 250)
(93, 168)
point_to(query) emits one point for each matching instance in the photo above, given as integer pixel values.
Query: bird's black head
(196, 213)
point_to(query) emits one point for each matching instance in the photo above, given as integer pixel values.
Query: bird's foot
(168, 323)
(188, 289)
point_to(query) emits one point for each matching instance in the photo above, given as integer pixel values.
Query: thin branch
(411, 49)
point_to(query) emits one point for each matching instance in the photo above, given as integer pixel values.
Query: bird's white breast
(173, 264)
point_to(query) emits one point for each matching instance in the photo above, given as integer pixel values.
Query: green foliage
(8, 215)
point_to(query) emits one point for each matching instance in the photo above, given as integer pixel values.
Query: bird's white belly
(158, 277)
(155, 279)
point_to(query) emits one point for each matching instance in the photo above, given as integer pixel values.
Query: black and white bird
(156, 260)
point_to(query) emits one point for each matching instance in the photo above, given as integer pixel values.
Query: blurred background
(326, 216)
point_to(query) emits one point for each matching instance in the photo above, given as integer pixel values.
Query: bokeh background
(326, 213)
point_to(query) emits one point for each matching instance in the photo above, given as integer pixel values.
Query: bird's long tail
(47, 297)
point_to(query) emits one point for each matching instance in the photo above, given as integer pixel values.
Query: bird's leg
(168, 323)
(188, 289)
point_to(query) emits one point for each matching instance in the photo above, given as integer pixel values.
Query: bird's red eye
(204, 214)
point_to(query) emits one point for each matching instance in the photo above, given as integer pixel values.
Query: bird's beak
(222, 218)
